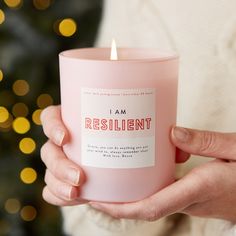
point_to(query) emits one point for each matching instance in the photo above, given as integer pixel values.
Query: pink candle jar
(119, 114)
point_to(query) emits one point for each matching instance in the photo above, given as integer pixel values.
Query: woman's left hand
(208, 190)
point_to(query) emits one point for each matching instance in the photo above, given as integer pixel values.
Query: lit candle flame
(113, 51)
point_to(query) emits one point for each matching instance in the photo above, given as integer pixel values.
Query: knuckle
(46, 111)
(208, 142)
(44, 151)
(50, 198)
(51, 159)
(46, 177)
(43, 114)
(55, 167)
(55, 187)
(63, 191)
(44, 194)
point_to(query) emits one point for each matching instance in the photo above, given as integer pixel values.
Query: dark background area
(32, 33)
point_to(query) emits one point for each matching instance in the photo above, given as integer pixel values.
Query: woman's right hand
(62, 177)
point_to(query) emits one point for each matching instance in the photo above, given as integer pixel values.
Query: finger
(60, 166)
(169, 200)
(49, 197)
(181, 156)
(60, 189)
(205, 143)
(53, 126)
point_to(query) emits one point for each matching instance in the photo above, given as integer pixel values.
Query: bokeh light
(28, 175)
(1, 73)
(36, 116)
(20, 109)
(21, 125)
(12, 205)
(44, 100)
(41, 4)
(28, 213)
(67, 27)
(13, 3)
(2, 19)
(6, 126)
(27, 145)
(4, 114)
(21, 87)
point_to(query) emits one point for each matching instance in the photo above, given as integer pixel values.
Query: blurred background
(32, 33)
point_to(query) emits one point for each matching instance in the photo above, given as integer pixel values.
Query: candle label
(118, 127)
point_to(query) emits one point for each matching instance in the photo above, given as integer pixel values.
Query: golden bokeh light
(2, 19)
(44, 100)
(67, 27)
(27, 145)
(1, 73)
(20, 109)
(12, 205)
(4, 114)
(21, 87)
(13, 3)
(6, 126)
(41, 4)
(36, 116)
(21, 125)
(28, 175)
(28, 213)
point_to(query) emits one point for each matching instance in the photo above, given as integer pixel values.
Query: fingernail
(73, 176)
(181, 134)
(58, 135)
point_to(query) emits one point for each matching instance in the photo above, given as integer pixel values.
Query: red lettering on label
(117, 128)
(139, 124)
(88, 122)
(103, 124)
(130, 124)
(117, 125)
(96, 124)
(111, 125)
(123, 125)
(148, 120)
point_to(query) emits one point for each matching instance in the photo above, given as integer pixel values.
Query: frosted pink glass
(136, 68)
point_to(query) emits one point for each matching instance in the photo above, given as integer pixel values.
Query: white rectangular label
(118, 127)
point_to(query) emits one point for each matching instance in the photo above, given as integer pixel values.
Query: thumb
(205, 143)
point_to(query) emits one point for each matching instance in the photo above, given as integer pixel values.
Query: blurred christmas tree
(32, 33)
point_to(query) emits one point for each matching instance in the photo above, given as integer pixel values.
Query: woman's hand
(207, 191)
(62, 177)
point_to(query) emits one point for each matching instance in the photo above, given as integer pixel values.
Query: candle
(119, 105)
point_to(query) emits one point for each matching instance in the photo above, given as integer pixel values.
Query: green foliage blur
(29, 45)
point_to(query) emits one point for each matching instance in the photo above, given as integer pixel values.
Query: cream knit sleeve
(83, 220)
